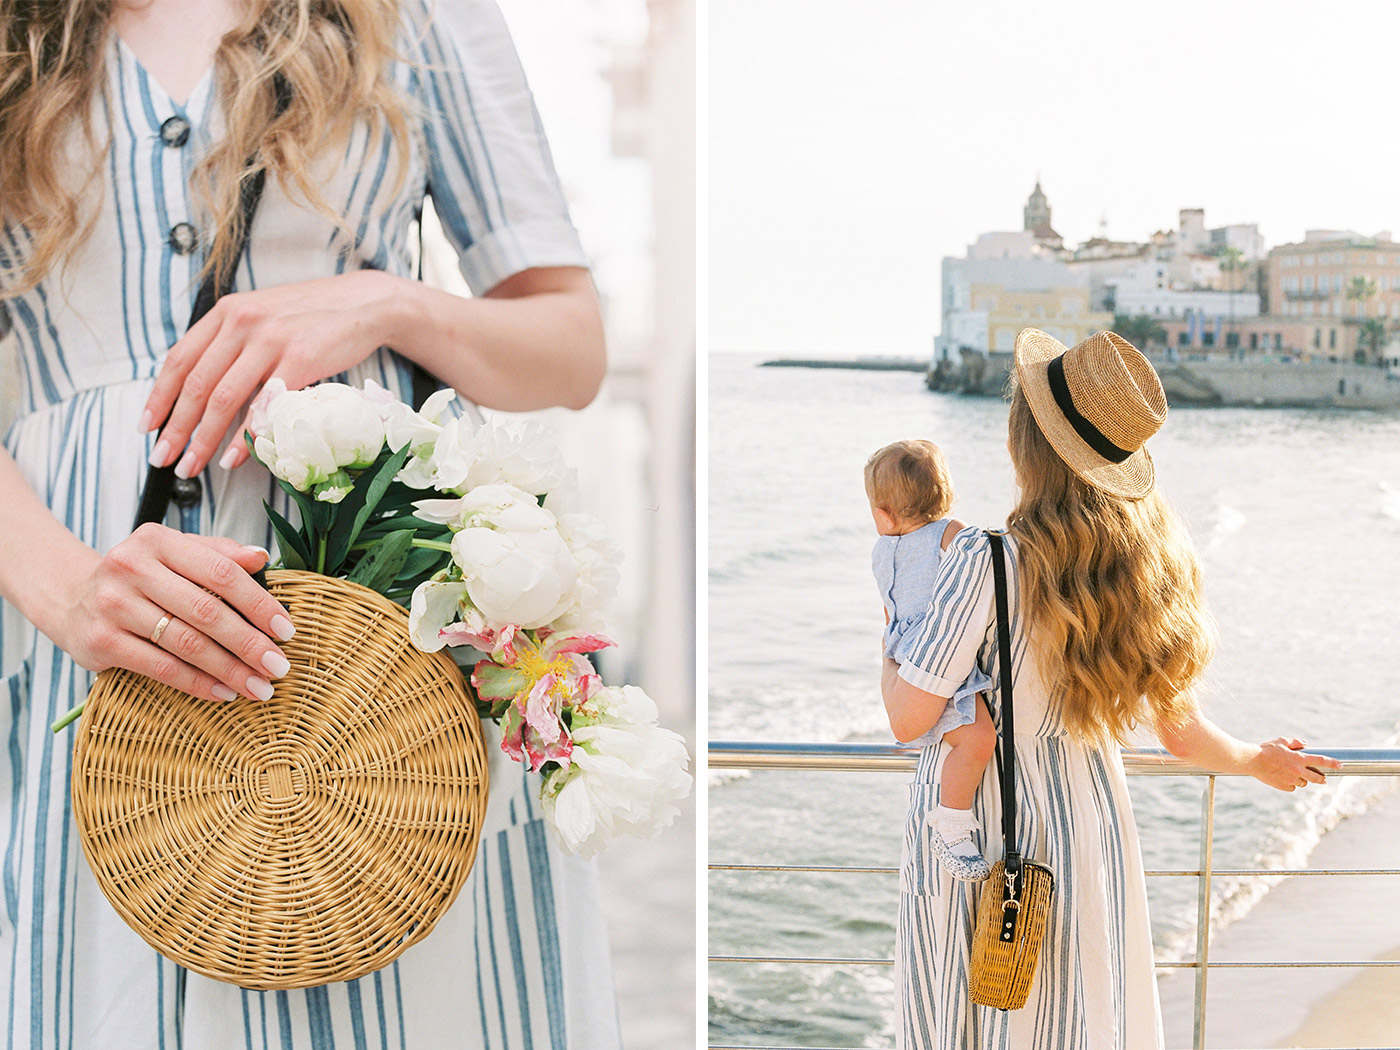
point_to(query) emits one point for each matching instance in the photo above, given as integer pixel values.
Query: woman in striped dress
(124, 133)
(1108, 630)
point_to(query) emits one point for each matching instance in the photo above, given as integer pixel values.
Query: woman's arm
(534, 340)
(912, 711)
(1280, 763)
(102, 610)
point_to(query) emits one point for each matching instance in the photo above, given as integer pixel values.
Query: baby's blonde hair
(910, 480)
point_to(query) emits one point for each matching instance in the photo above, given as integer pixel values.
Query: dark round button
(187, 492)
(175, 131)
(183, 238)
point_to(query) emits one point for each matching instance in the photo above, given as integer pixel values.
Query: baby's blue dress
(905, 568)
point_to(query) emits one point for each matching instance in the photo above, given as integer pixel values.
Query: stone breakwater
(1262, 383)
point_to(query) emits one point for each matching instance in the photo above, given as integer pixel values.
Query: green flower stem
(68, 719)
(321, 553)
(433, 545)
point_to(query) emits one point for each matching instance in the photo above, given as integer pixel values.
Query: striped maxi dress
(520, 962)
(1094, 988)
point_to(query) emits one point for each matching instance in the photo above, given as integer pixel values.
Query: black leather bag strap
(161, 481)
(1008, 725)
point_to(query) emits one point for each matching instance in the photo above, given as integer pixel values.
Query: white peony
(461, 456)
(305, 437)
(625, 775)
(434, 605)
(517, 568)
(597, 558)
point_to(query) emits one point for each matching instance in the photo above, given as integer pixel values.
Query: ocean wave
(1287, 846)
(760, 559)
(1390, 501)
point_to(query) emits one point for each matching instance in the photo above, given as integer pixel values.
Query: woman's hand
(300, 332)
(1282, 763)
(213, 646)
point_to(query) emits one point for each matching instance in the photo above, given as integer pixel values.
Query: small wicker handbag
(1016, 900)
(306, 839)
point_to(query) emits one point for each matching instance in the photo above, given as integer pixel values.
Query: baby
(910, 493)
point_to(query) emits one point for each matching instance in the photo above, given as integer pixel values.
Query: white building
(1148, 288)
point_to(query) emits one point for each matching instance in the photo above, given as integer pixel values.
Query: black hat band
(1092, 435)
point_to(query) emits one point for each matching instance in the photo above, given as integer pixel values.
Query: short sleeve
(945, 652)
(490, 172)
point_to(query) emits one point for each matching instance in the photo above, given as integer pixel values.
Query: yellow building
(1062, 312)
(1310, 281)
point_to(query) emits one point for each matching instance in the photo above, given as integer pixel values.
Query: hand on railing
(1282, 763)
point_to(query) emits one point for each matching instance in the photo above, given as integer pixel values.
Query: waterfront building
(1147, 288)
(1341, 280)
(986, 301)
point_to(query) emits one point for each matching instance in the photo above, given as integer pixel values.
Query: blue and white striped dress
(1095, 987)
(521, 961)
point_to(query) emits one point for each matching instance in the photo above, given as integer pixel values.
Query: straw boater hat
(1097, 403)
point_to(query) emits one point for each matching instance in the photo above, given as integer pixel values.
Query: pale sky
(854, 145)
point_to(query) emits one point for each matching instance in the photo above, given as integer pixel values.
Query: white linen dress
(1094, 988)
(521, 961)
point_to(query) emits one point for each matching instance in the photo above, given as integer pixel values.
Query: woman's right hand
(1282, 763)
(112, 605)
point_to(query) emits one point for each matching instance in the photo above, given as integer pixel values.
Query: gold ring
(160, 629)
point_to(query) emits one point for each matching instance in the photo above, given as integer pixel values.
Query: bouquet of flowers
(475, 529)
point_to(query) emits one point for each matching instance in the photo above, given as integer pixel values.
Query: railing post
(1203, 911)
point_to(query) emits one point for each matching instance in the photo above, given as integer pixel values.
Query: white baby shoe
(952, 842)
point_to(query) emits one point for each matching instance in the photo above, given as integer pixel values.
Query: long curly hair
(334, 54)
(1111, 589)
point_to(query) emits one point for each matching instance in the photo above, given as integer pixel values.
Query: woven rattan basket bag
(308, 839)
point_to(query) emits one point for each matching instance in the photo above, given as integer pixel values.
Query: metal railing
(888, 758)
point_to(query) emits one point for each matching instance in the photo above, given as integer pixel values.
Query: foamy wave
(1390, 501)
(1228, 521)
(1315, 813)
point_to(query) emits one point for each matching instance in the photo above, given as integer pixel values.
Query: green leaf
(291, 545)
(356, 508)
(382, 562)
(423, 562)
(315, 515)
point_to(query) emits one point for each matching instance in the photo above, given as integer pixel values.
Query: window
(1309, 260)
(1331, 339)
(1278, 340)
(1207, 338)
(1308, 284)
(1181, 339)
(1317, 338)
(1232, 340)
(1254, 340)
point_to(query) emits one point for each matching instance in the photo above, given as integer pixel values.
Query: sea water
(1297, 517)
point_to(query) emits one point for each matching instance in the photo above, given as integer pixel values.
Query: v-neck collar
(154, 100)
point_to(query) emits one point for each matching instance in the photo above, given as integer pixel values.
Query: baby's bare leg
(970, 749)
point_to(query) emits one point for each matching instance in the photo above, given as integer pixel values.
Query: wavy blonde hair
(334, 54)
(1111, 589)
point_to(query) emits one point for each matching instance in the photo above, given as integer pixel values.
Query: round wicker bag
(307, 839)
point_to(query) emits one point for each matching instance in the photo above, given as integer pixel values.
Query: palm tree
(1371, 333)
(1231, 261)
(1359, 290)
(1140, 330)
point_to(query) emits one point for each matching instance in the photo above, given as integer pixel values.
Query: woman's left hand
(300, 332)
(1283, 764)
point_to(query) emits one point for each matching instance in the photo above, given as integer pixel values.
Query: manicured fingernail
(185, 468)
(257, 550)
(230, 454)
(277, 665)
(160, 454)
(223, 692)
(282, 628)
(147, 422)
(259, 688)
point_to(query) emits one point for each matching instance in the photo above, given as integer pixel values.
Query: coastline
(1313, 918)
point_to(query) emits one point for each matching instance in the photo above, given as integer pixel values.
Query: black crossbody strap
(1008, 726)
(161, 481)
